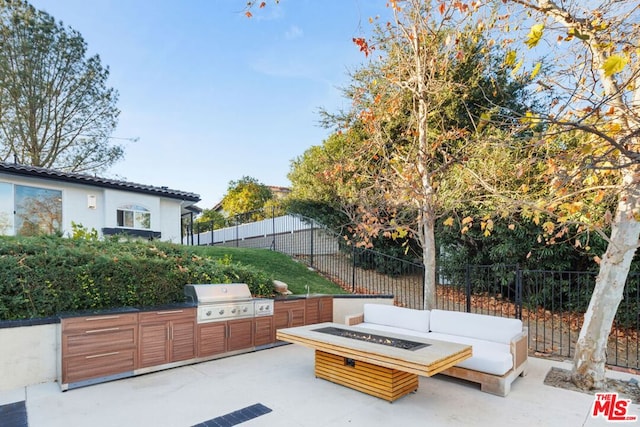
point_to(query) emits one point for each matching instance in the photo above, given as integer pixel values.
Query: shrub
(44, 276)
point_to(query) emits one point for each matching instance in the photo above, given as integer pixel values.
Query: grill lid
(211, 293)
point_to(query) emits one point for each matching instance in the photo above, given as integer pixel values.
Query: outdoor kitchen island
(217, 320)
(381, 364)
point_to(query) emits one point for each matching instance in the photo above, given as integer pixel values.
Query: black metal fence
(550, 303)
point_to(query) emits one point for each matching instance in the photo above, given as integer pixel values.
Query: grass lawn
(279, 266)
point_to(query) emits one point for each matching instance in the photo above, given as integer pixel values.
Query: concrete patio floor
(281, 383)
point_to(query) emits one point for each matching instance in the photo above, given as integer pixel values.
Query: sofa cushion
(399, 317)
(488, 356)
(472, 325)
(393, 329)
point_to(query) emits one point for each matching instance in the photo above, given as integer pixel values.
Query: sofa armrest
(353, 319)
(520, 348)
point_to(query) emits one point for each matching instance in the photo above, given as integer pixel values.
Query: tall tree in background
(418, 105)
(56, 110)
(246, 195)
(210, 219)
(322, 180)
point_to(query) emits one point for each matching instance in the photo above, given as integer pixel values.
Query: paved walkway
(277, 387)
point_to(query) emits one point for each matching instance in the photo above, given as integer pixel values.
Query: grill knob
(221, 312)
(208, 313)
(244, 310)
(233, 311)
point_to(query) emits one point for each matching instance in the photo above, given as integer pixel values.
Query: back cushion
(480, 326)
(399, 317)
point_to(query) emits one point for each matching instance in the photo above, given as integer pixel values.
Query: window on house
(134, 216)
(37, 210)
(6, 209)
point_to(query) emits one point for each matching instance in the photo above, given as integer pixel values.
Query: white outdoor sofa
(499, 344)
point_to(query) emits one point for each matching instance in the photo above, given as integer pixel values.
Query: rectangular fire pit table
(378, 363)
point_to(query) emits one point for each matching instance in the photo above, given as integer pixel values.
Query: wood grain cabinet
(288, 313)
(97, 347)
(221, 337)
(212, 338)
(105, 347)
(319, 310)
(166, 336)
(263, 331)
(240, 334)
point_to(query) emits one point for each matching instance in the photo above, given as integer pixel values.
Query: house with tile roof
(36, 200)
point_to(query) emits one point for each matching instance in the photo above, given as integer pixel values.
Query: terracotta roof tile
(77, 178)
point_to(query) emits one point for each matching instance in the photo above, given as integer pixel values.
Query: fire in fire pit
(377, 339)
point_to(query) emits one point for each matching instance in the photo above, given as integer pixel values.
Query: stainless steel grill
(224, 301)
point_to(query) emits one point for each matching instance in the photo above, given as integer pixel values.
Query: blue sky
(214, 96)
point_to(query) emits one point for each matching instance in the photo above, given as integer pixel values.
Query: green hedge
(44, 276)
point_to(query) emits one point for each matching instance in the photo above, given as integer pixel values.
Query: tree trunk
(429, 260)
(590, 355)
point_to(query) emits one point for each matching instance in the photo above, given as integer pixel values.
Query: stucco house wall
(93, 202)
(171, 229)
(75, 207)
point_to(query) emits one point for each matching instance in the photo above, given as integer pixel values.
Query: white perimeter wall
(28, 355)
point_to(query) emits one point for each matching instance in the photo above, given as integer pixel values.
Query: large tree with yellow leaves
(592, 49)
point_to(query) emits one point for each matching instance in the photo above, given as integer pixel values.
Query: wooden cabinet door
(212, 338)
(325, 309)
(264, 332)
(154, 344)
(92, 323)
(240, 334)
(182, 339)
(167, 336)
(287, 314)
(297, 315)
(312, 311)
(280, 316)
(85, 367)
(97, 341)
(319, 310)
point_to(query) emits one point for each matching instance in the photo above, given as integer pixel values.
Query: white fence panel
(267, 227)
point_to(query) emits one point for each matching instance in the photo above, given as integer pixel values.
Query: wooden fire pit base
(386, 383)
(385, 371)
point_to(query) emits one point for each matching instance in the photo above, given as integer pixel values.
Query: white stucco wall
(165, 212)
(28, 355)
(170, 224)
(75, 208)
